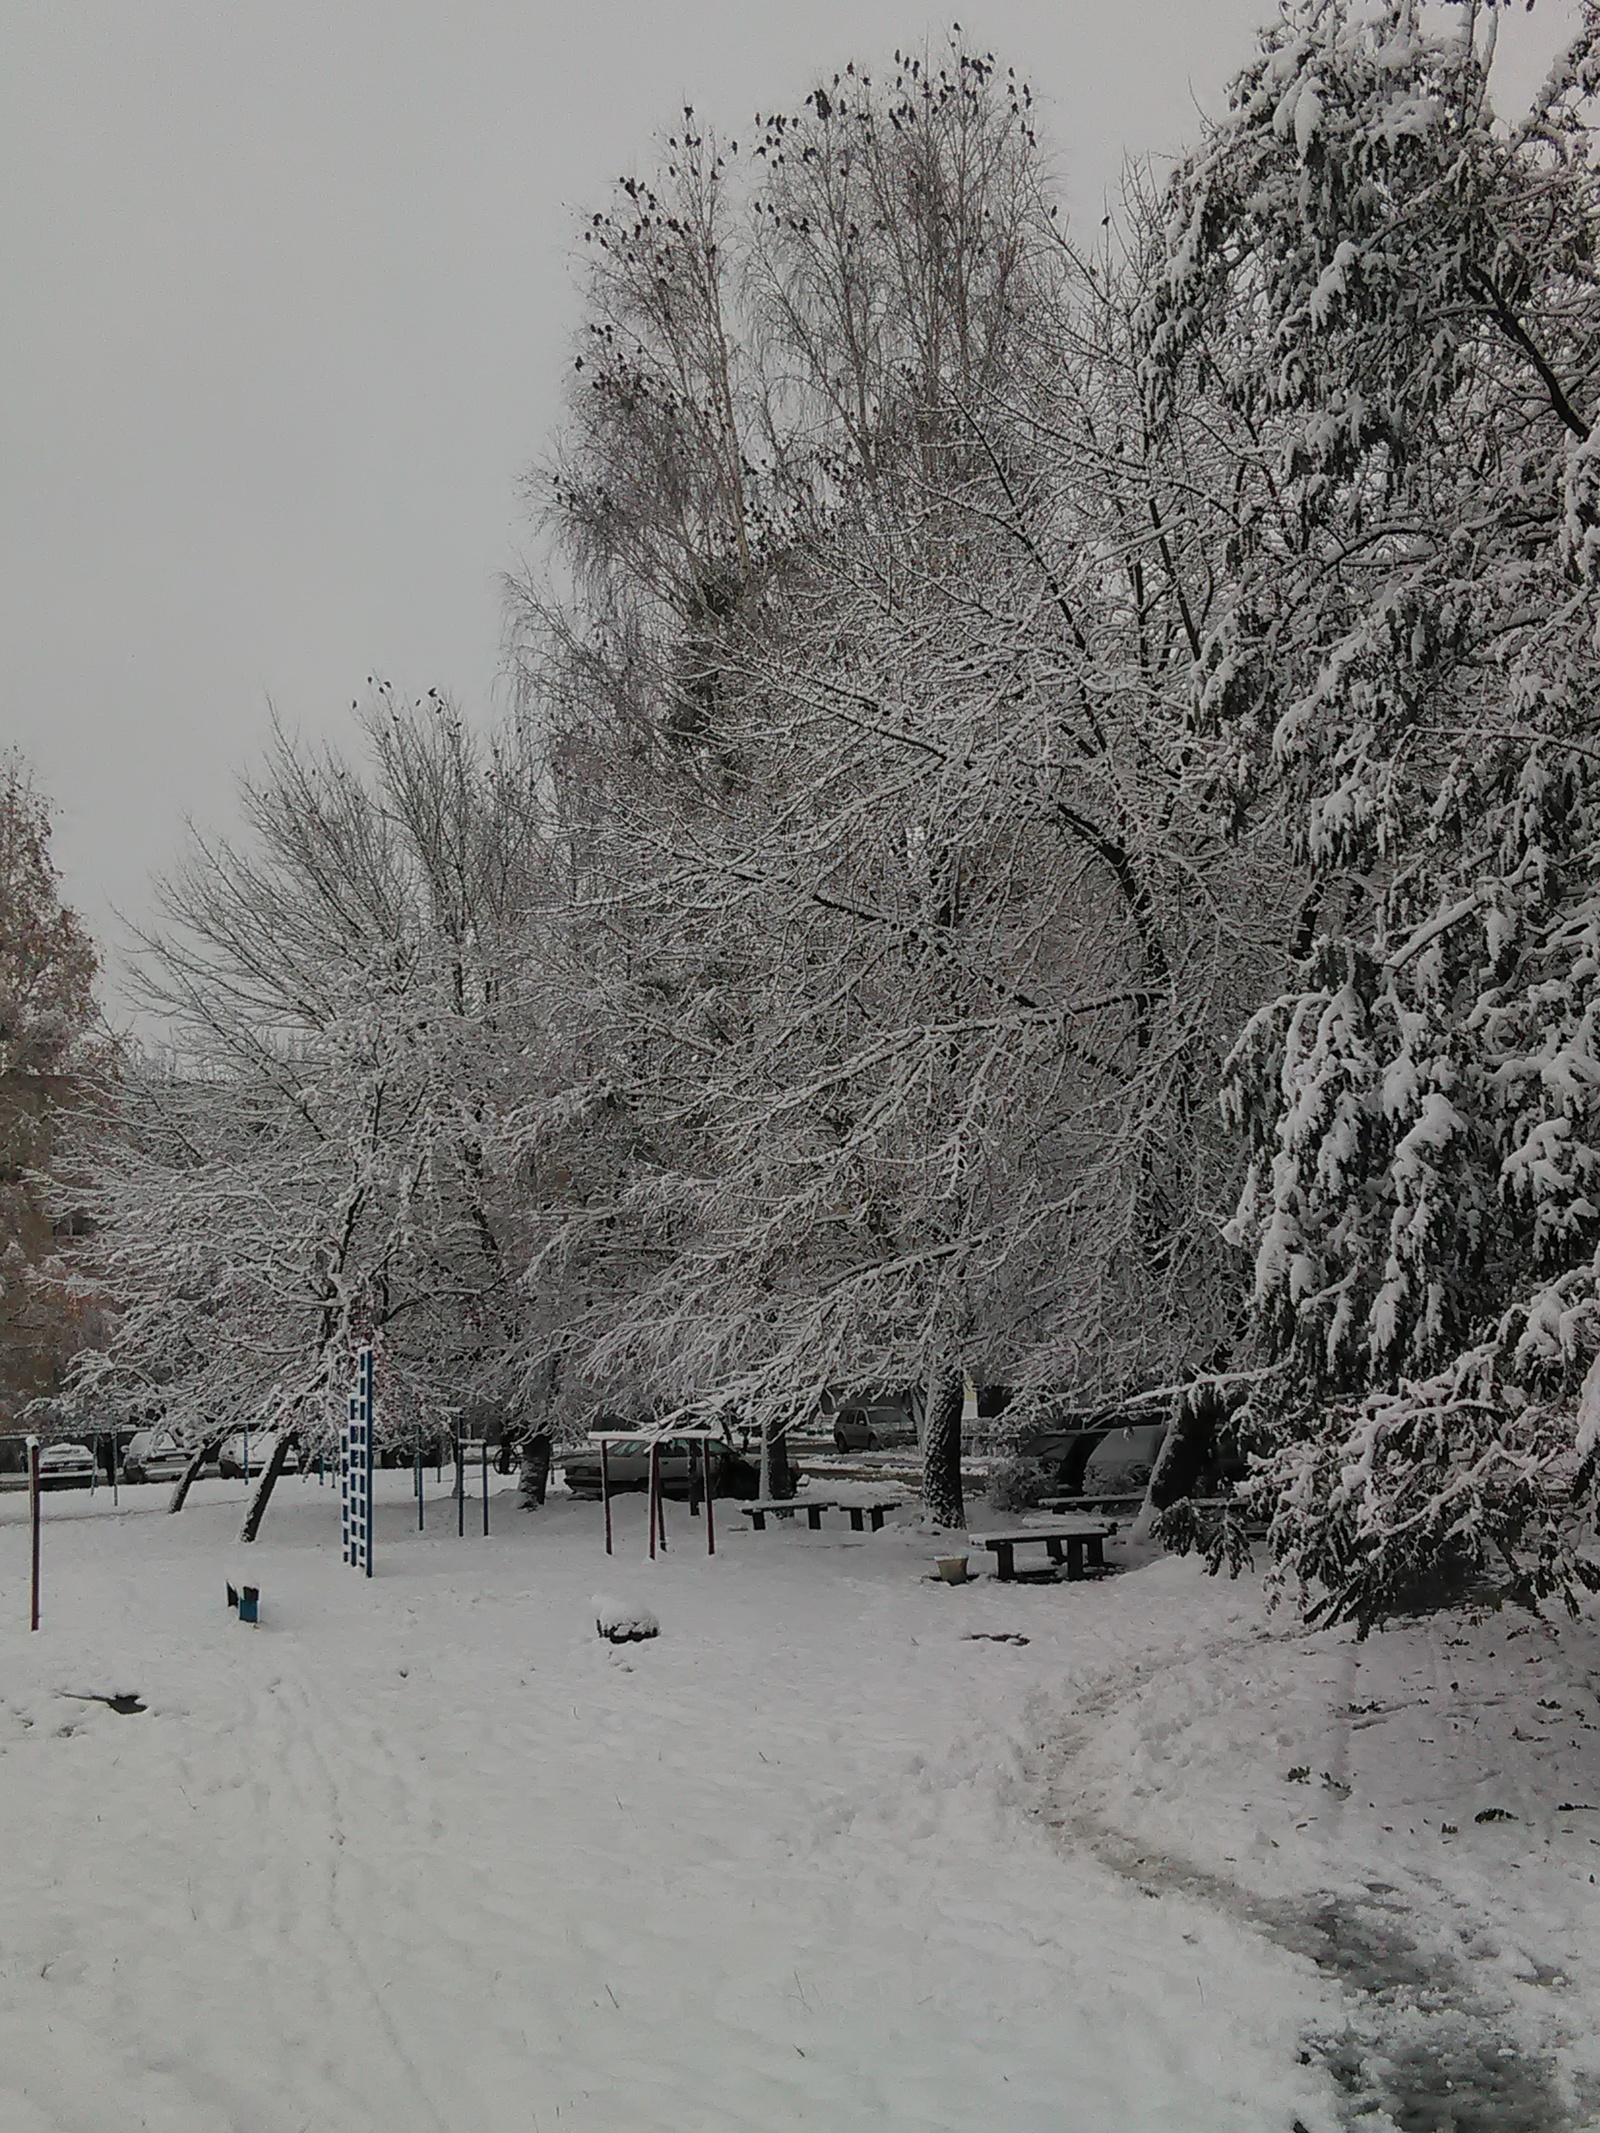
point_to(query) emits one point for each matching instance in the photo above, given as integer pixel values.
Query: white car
(65, 1466)
(231, 1458)
(155, 1455)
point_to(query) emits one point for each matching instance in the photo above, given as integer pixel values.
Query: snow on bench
(1075, 1541)
(813, 1506)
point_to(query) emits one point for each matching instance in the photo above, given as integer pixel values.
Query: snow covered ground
(425, 1852)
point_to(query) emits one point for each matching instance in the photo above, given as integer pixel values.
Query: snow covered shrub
(1015, 1483)
(1400, 291)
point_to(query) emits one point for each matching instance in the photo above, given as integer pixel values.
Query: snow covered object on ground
(624, 1621)
(1397, 287)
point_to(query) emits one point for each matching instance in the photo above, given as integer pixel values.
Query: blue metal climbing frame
(355, 1470)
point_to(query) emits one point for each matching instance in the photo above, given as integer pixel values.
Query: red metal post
(33, 1513)
(650, 1496)
(605, 1489)
(711, 1516)
(661, 1500)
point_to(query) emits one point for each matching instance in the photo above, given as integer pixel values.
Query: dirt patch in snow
(1419, 2041)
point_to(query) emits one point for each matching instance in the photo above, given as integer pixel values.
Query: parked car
(66, 1466)
(1114, 1454)
(231, 1458)
(1122, 1462)
(1067, 1447)
(157, 1455)
(628, 1464)
(873, 1429)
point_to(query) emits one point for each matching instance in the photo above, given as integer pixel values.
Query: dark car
(1115, 1453)
(628, 1466)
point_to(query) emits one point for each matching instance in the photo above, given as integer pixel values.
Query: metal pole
(605, 1490)
(247, 1455)
(650, 1496)
(33, 1513)
(711, 1516)
(485, 1451)
(461, 1489)
(419, 1484)
(115, 1462)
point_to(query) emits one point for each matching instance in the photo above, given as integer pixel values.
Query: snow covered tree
(47, 1056)
(776, 348)
(923, 1006)
(765, 332)
(1396, 291)
(321, 1159)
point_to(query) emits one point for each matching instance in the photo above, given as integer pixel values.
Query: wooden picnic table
(814, 1506)
(1075, 1541)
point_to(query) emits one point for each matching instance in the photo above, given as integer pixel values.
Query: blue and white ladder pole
(364, 1373)
(355, 1470)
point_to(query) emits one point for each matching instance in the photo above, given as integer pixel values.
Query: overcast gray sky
(286, 310)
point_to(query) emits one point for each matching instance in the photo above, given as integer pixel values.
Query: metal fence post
(33, 1514)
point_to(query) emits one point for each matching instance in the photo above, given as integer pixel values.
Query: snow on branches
(318, 1161)
(1398, 291)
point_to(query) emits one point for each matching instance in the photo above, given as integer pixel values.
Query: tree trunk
(1188, 1448)
(941, 1448)
(1185, 1452)
(256, 1509)
(777, 1476)
(180, 1488)
(535, 1477)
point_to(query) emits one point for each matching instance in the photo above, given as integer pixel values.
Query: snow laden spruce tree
(1400, 295)
(321, 1157)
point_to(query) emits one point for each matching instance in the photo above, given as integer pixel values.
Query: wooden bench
(813, 1507)
(1074, 1541)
